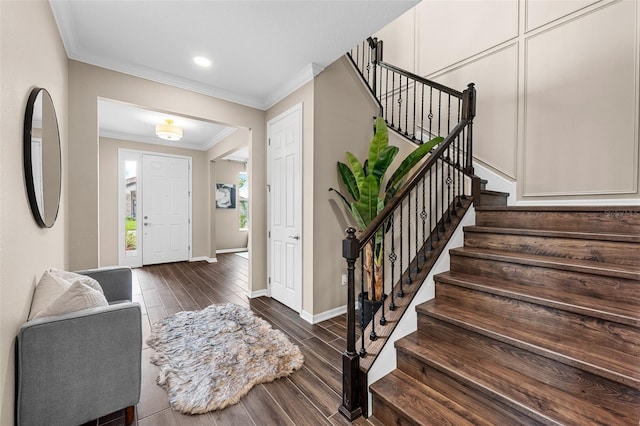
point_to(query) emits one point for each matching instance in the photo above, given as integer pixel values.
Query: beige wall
(557, 82)
(343, 112)
(108, 166)
(31, 54)
(86, 84)
(228, 233)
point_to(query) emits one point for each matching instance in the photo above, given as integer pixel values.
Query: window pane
(243, 200)
(131, 207)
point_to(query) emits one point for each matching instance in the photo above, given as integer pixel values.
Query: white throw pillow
(71, 277)
(76, 298)
(48, 289)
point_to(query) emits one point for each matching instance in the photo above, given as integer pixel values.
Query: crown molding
(228, 131)
(307, 74)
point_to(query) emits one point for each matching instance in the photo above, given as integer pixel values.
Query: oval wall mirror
(42, 160)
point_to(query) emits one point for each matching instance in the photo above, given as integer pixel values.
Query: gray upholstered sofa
(77, 367)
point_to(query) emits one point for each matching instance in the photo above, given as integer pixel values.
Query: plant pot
(367, 308)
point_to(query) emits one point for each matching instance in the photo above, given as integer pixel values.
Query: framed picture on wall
(225, 196)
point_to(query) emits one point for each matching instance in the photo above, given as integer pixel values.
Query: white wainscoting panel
(541, 12)
(478, 26)
(581, 105)
(495, 128)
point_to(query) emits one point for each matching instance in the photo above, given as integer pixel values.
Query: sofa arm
(115, 282)
(80, 366)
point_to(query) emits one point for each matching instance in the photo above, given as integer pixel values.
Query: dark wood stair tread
(535, 386)
(555, 234)
(580, 303)
(604, 348)
(419, 404)
(631, 272)
(614, 219)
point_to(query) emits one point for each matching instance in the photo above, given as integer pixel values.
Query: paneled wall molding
(579, 103)
(560, 12)
(558, 88)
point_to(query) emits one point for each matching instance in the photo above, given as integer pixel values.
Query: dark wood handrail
(387, 211)
(422, 80)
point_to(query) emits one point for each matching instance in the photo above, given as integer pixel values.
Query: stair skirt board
(386, 360)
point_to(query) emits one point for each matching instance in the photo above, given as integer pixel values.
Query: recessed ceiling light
(202, 61)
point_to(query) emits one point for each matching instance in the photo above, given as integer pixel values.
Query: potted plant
(365, 183)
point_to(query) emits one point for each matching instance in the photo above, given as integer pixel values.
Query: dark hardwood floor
(310, 396)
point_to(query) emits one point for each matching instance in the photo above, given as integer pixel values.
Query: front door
(165, 209)
(285, 208)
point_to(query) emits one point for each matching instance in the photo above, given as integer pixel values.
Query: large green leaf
(342, 197)
(358, 218)
(368, 204)
(384, 161)
(349, 180)
(412, 159)
(379, 142)
(357, 170)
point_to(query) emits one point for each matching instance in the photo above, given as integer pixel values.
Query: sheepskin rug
(211, 358)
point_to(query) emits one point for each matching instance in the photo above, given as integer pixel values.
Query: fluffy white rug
(211, 358)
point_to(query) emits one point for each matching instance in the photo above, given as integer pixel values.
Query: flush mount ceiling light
(202, 61)
(168, 131)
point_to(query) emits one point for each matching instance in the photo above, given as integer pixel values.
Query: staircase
(537, 322)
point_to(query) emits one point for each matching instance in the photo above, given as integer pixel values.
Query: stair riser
(509, 320)
(610, 290)
(571, 302)
(490, 405)
(615, 221)
(387, 414)
(533, 366)
(593, 250)
(493, 199)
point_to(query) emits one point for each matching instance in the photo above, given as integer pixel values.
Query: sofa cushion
(48, 289)
(77, 297)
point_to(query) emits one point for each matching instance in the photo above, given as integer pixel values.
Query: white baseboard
(323, 316)
(205, 258)
(232, 250)
(258, 293)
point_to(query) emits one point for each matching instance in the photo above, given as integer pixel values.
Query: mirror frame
(38, 215)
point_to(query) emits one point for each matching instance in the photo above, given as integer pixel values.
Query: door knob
(295, 237)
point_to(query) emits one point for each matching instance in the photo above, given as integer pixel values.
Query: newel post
(350, 407)
(469, 113)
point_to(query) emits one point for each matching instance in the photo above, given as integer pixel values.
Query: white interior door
(285, 208)
(165, 209)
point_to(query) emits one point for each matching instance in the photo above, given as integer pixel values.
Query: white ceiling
(261, 50)
(133, 123)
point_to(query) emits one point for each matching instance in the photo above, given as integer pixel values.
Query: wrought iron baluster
(423, 216)
(439, 112)
(363, 352)
(401, 291)
(417, 267)
(431, 112)
(393, 98)
(400, 104)
(386, 98)
(409, 238)
(458, 168)
(422, 116)
(431, 210)
(393, 257)
(406, 110)
(415, 83)
(383, 319)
